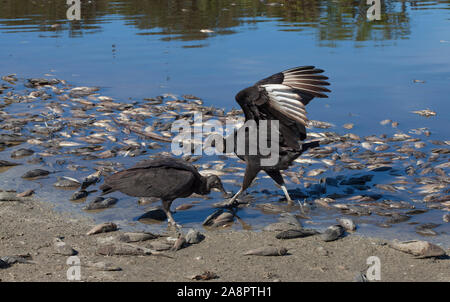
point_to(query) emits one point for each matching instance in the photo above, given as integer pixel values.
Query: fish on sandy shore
(267, 251)
(103, 228)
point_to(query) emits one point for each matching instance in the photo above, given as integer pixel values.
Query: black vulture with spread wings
(281, 97)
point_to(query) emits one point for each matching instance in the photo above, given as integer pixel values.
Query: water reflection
(197, 20)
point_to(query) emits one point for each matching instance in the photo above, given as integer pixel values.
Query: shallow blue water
(158, 48)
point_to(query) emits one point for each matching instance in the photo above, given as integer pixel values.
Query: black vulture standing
(281, 97)
(162, 177)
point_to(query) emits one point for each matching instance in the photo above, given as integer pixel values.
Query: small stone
(347, 224)
(322, 251)
(194, 237)
(63, 248)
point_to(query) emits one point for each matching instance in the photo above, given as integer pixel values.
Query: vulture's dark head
(214, 182)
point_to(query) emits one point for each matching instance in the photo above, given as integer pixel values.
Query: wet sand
(30, 227)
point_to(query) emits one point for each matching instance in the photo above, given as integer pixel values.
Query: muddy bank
(28, 229)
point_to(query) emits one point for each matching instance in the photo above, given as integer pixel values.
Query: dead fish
(26, 193)
(425, 231)
(36, 173)
(319, 124)
(68, 144)
(123, 249)
(137, 237)
(7, 261)
(425, 112)
(323, 202)
(223, 219)
(179, 243)
(103, 228)
(161, 245)
(446, 217)
(385, 187)
(21, 153)
(315, 172)
(420, 249)
(332, 233)
(78, 92)
(382, 147)
(183, 207)
(205, 276)
(4, 163)
(279, 227)
(398, 218)
(66, 182)
(63, 248)
(102, 266)
(267, 251)
(209, 220)
(12, 196)
(79, 195)
(101, 203)
(347, 224)
(296, 233)
(90, 180)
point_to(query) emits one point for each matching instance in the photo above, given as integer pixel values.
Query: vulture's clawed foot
(173, 225)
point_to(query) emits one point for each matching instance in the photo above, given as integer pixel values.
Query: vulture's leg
(250, 173)
(166, 208)
(278, 178)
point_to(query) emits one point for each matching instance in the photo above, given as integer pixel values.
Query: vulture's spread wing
(283, 97)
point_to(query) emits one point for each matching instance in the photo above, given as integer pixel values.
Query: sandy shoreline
(29, 228)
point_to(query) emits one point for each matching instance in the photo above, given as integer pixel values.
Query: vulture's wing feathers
(283, 97)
